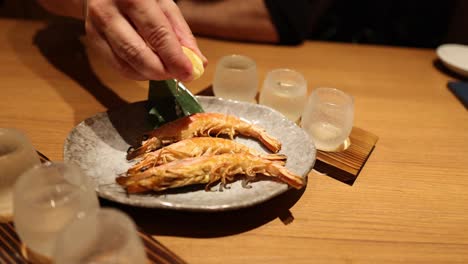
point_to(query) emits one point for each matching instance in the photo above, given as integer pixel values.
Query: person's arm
(230, 19)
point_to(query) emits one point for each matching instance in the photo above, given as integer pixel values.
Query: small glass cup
(328, 118)
(236, 78)
(45, 199)
(16, 156)
(107, 236)
(286, 91)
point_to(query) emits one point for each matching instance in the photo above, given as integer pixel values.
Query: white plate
(454, 57)
(99, 144)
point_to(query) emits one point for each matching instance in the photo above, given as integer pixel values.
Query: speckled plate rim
(158, 203)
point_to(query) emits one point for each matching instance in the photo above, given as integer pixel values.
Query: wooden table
(408, 205)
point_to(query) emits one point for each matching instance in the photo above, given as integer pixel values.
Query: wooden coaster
(345, 165)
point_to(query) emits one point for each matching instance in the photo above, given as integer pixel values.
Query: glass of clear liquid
(16, 156)
(328, 118)
(286, 91)
(106, 236)
(46, 198)
(236, 78)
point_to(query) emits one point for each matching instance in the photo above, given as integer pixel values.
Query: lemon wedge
(197, 63)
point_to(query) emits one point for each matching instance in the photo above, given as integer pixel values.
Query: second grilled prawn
(195, 147)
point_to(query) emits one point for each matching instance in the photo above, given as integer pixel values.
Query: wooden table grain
(408, 205)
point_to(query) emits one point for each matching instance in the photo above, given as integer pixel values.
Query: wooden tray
(346, 165)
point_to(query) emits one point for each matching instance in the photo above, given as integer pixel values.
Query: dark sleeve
(295, 20)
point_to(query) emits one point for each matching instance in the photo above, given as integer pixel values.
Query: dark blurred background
(413, 23)
(25, 9)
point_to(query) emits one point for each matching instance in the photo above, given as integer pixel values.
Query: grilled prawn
(195, 147)
(200, 125)
(207, 170)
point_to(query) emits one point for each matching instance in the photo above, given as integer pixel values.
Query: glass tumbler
(16, 156)
(286, 91)
(107, 236)
(45, 199)
(236, 78)
(328, 118)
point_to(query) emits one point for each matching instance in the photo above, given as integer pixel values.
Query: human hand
(142, 39)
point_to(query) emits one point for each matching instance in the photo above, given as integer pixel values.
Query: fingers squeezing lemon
(197, 63)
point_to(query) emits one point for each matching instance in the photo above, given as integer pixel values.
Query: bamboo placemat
(11, 247)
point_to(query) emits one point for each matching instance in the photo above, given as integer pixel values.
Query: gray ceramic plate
(99, 144)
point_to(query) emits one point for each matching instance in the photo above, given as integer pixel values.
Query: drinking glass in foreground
(236, 78)
(45, 199)
(16, 156)
(105, 236)
(328, 118)
(286, 91)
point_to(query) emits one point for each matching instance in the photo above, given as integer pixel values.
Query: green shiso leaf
(169, 100)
